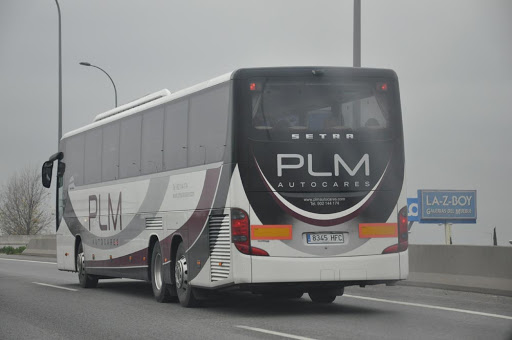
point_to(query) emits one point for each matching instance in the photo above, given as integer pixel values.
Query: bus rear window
(281, 107)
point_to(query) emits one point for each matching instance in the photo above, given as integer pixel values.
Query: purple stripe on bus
(194, 225)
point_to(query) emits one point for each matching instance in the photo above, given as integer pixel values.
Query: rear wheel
(183, 289)
(160, 289)
(320, 296)
(86, 280)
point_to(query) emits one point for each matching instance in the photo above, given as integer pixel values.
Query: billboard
(439, 206)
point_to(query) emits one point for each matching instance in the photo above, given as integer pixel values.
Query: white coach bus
(278, 181)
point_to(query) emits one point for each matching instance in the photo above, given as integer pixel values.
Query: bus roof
(146, 102)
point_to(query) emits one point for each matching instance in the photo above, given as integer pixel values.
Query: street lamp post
(60, 76)
(83, 63)
(357, 34)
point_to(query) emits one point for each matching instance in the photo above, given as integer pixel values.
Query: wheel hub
(157, 274)
(80, 263)
(180, 272)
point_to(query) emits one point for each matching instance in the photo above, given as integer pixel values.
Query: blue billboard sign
(458, 206)
(413, 211)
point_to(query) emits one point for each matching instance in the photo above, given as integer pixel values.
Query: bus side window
(129, 148)
(92, 166)
(110, 152)
(73, 150)
(176, 135)
(152, 141)
(208, 122)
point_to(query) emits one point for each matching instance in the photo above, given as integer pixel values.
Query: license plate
(319, 238)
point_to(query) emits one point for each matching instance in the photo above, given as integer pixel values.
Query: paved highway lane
(126, 309)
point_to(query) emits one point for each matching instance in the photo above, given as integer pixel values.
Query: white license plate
(319, 238)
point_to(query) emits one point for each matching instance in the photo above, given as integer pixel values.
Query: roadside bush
(11, 250)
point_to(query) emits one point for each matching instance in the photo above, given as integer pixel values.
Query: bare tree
(24, 204)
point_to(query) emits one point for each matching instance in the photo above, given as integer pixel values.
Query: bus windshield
(310, 105)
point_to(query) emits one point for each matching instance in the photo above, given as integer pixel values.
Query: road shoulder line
(6, 259)
(53, 286)
(286, 335)
(430, 306)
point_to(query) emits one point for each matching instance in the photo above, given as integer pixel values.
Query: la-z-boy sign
(447, 205)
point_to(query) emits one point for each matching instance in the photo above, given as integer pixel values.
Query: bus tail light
(240, 233)
(403, 234)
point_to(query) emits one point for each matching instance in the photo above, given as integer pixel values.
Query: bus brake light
(240, 233)
(403, 234)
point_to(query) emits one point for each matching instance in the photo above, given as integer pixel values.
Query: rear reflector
(370, 230)
(271, 232)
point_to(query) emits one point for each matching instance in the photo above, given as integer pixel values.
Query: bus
(279, 181)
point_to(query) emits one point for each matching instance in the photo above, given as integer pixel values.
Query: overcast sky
(453, 60)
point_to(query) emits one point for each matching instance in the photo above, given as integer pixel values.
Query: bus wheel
(86, 280)
(160, 289)
(183, 289)
(322, 296)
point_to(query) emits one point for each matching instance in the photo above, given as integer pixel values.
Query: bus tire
(318, 296)
(86, 280)
(184, 291)
(160, 288)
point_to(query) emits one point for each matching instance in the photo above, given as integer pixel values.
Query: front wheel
(160, 289)
(86, 280)
(183, 289)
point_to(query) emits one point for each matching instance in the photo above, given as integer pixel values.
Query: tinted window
(110, 154)
(208, 126)
(152, 141)
(129, 153)
(73, 157)
(176, 132)
(93, 140)
(282, 107)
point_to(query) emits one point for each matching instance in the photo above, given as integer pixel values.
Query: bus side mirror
(47, 173)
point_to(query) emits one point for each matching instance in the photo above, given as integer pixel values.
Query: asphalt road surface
(39, 302)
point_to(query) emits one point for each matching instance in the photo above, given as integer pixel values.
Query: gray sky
(453, 59)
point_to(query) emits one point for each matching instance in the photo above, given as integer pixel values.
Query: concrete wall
(42, 246)
(38, 245)
(19, 240)
(484, 269)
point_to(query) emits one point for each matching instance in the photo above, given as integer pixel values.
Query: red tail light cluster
(240, 233)
(403, 234)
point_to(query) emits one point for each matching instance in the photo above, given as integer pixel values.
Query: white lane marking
(430, 306)
(3, 258)
(290, 336)
(49, 285)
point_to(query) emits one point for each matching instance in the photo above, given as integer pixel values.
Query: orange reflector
(198, 262)
(271, 232)
(130, 258)
(369, 230)
(144, 258)
(220, 264)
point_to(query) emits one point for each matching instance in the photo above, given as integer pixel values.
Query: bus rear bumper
(358, 268)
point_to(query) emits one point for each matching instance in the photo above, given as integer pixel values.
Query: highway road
(39, 302)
